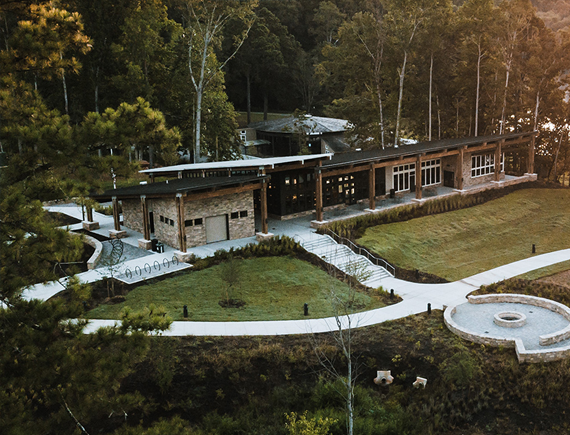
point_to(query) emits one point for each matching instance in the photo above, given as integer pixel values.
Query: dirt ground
(561, 279)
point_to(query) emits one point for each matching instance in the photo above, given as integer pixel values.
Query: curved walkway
(415, 299)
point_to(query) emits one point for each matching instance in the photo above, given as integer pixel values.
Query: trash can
(160, 248)
(154, 243)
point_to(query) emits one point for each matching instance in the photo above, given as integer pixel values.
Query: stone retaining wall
(94, 243)
(523, 354)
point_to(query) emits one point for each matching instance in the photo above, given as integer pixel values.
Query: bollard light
(306, 309)
(392, 294)
(429, 308)
(185, 311)
(533, 248)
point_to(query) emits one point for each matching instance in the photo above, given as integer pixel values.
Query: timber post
(531, 155)
(459, 169)
(181, 225)
(146, 220)
(263, 204)
(319, 194)
(371, 187)
(419, 177)
(116, 220)
(498, 151)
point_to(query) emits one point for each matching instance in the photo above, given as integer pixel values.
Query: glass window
(234, 215)
(188, 223)
(198, 221)
(243, 213)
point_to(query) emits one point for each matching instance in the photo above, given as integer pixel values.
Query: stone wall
(166, 230)
(240, 227)
(523, 355)
(132, 214)
(468, 180)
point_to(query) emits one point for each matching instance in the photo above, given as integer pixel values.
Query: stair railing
(361, 251)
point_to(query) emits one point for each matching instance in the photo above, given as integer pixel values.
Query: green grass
(462, 243)
(274, 288)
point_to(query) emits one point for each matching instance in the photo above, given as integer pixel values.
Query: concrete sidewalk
(416, 297)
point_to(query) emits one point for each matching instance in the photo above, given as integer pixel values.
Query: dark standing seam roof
(183, 185)
(355, 157)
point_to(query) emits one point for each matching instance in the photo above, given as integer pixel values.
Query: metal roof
(313, 124)
(182, 185)
(236, 164)
(356, 157)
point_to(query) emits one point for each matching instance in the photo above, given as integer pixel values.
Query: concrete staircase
(346, 260)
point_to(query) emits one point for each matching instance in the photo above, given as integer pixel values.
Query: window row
(166, 220)
(484, 164)
(238, 214)
(193, 222)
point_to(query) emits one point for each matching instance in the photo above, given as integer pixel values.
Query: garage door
(216, 228)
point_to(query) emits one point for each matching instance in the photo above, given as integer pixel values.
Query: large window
(404, 177)
(431, 172)
(485, 164)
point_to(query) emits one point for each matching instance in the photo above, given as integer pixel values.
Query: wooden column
(319, 194)
(419, 177)
(116, 220)
(152, 178)
(89, 214)
(181, 224)
(530, 166)
(459, 169)
(498, 151)
(146, 223)
(263, 204)
(372, 188)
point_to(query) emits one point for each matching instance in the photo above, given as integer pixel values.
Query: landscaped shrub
(354, 228)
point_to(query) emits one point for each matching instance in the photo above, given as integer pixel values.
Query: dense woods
(88, 89)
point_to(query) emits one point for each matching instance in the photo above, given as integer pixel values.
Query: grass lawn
(274, 288)
(462, 243)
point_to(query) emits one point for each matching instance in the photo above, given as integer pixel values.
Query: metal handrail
(361, 251)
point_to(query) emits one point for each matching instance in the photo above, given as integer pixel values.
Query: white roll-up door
(216, 228)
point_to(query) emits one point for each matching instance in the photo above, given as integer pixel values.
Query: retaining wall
(523, 354)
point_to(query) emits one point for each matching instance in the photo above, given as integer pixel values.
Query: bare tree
(206, 20)
(344, 306)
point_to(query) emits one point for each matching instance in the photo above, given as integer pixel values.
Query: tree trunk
(65, 92)
(536, 110)
(556, 156)
(265, 105)
(479, 57)
(503, 111)
(97, 90)
(151, 156)
(430, 89)
(438, 117)
(400, 96)
(248, 97)
(197, 126)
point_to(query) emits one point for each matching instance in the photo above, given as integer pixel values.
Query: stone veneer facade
(239, 227)
(132, 214)
(469, 181)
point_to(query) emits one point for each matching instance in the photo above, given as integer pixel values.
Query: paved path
(415, 296)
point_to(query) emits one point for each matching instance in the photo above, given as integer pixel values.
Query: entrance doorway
(216, 228)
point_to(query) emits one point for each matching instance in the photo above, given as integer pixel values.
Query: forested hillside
(554, 13)
(90, 88)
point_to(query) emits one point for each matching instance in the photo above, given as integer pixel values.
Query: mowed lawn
(274, 288)
(462, 243)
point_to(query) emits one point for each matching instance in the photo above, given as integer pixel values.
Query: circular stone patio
(538, 328)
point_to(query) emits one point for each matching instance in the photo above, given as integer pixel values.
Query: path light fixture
(429, 308)
(306, 309)
(533, 248)
(185, 311)
(392, 294)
